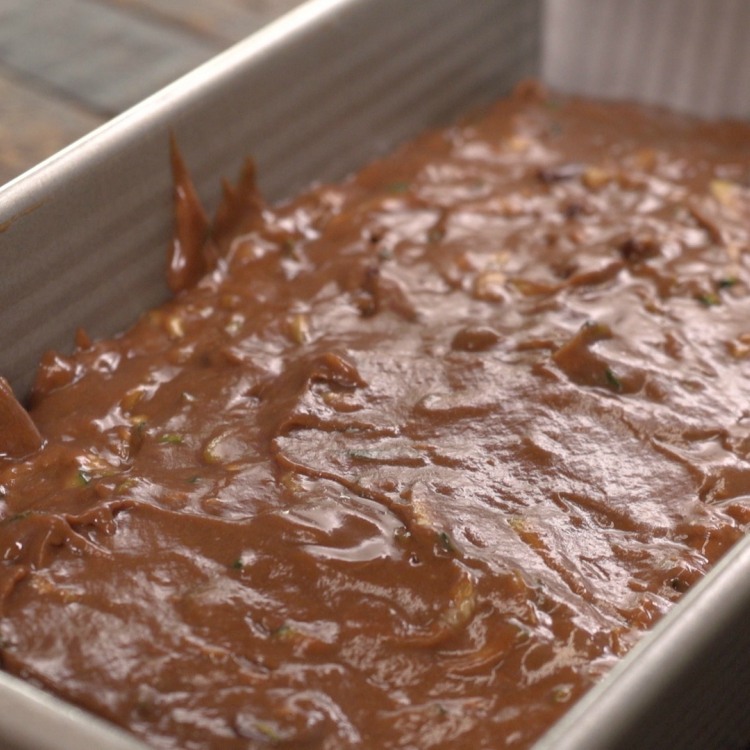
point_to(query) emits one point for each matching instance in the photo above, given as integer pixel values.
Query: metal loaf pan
(312, 97)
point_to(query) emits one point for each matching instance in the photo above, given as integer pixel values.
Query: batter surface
(408, 462)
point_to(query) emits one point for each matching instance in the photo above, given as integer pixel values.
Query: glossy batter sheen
(416, 461)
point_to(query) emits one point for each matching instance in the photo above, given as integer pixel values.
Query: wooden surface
(67, 66)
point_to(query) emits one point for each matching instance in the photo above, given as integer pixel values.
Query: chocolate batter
(409, 461)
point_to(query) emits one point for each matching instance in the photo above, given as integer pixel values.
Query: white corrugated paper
(691, 55)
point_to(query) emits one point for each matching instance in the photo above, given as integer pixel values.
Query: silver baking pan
(312, 97)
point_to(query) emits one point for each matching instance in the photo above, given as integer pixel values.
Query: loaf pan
(312, 97)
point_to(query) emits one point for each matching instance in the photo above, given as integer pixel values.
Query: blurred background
(67, 66)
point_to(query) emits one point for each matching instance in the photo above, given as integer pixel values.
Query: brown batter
(418, 458)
